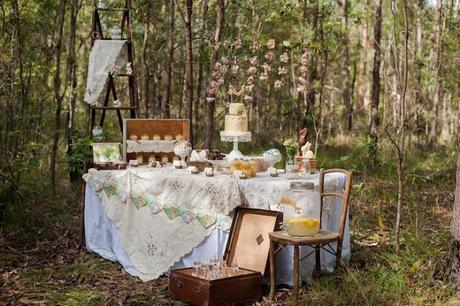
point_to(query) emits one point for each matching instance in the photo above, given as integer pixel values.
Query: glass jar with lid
(301, 208)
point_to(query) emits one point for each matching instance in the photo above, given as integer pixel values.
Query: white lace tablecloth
(149, 219)
(104, 55)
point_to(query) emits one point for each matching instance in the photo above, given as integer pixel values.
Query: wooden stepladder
(126, 34)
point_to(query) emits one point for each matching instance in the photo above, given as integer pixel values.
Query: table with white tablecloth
(151, 220)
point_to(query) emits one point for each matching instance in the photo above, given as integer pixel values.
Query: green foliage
(80, 155)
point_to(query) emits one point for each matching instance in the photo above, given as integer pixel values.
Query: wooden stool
(282, 237)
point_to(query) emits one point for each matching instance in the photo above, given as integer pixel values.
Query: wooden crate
(151, 127)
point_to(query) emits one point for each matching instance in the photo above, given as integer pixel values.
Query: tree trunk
(346, 84)
(58, 95)
(72, 80)
(200, 93)
(210, 100)
(146, 65)
(454, 256)
(363, 86)
(375, 95)
(438, 80)
(169, 60)
(187, 19)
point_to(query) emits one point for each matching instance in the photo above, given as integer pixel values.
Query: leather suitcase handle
(179, 283)
(197, 290)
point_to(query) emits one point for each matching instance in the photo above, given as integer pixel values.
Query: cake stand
(235, 137)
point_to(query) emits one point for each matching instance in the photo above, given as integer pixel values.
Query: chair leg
(272, 270)
(318, 260)
(296, 272)
(339, 256)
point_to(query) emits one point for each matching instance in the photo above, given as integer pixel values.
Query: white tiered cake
(236, 120)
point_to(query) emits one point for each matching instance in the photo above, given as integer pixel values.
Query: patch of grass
(77, 297)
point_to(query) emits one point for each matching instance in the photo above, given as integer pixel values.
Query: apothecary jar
(302, 200)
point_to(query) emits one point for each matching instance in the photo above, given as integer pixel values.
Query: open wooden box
(104, 161)
(249, 244)
(150, 127)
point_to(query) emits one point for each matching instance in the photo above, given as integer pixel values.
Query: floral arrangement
(292, 147)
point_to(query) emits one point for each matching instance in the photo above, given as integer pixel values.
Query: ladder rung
(112, 9)
(112, 107)
(112, 39)
(123, 75)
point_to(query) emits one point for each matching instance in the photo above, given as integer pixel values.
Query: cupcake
(156, 137)
(145, 137)
(168, 137)
(132, 137)
(164, 159)
(179, 137)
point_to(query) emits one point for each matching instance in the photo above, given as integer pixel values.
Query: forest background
(375, 82)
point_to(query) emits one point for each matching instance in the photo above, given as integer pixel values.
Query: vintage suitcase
(248, 244)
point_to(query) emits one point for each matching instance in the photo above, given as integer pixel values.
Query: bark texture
(375, 96)
(455, 230)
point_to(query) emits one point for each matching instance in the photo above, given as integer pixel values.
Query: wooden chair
(322, 240)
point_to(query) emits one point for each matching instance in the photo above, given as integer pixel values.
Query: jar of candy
(254, 166)
(246, 168)
(235, 165)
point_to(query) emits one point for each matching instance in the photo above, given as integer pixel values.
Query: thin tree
(71, 79)
(375, 95)
(187, 20)
(346, 82)
(211, 99)
(438, 72)
(169, 61)
(454, 254)
(58, 92)
(200, 92)
(398, 140)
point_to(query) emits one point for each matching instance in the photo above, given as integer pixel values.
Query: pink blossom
(238, 44)
(263, 76)
(247, 98)
(249, 87)
(284, 58)
(271, 43)
(304, 59)
(213, 84)
(301, 88)
(231, 90)
(282, 70)
(303, 70)
(253, 60)
(269, 55)
(286, 43)
(252, 70)
(225, 44)
(267, 67)
(210, 99)
(235, 69)
(225, 60)
(250, 80)
(278, 84)
(301, 80)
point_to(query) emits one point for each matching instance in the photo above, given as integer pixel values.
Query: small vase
(290, 165)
